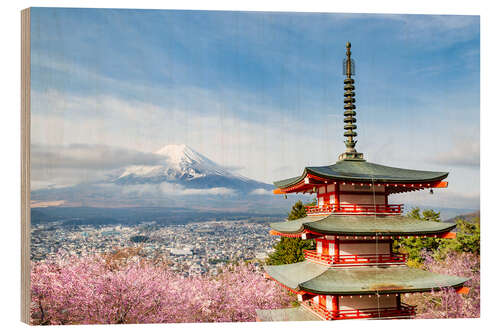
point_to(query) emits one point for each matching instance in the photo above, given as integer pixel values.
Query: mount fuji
(183, 166)
(180, 178)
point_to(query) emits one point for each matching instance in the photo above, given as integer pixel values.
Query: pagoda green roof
(287, 314)
(359, 225)
(360, 170)
(316, 278)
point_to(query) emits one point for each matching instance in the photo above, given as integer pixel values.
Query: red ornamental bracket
(309, 235)
(449, 235)
(277, 233)
(302, 297)
(462, 290)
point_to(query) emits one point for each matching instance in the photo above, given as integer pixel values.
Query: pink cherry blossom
(96, 289)
(447, 303)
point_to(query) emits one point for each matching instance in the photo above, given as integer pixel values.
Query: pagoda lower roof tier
(318, 279)
(287, 314)
(347, 225)
(362, 171)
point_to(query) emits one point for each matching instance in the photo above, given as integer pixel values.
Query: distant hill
(469, 217)
(78, 216)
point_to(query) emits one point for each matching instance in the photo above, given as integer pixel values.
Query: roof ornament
(349, 107)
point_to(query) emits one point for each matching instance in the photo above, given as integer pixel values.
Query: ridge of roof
(352, 170)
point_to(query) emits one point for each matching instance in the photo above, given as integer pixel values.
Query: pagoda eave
(362, 172)
(391, 187)
(299, 313)
(310, 234)
(360, 226)
(317, 279)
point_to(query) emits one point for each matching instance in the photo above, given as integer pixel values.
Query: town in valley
(191, 249)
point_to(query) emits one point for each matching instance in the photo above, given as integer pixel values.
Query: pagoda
(353, 272)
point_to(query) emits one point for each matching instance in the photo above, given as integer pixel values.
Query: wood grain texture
(25, 165)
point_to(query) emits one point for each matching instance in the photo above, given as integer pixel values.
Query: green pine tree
(467, 240)
(468, 236)
(291, 250)
(413, 246)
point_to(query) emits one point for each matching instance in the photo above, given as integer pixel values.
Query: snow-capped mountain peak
(176, 154)
(180, 164)
(185, 159)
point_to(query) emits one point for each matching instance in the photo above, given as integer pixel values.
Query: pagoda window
(319, 246)
(321, 201)
(331, 248)
(329, 303)
(332, 199)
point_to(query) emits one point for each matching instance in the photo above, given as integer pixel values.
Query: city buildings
(190, 249)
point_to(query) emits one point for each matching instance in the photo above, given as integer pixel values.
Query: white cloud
(169, 189)
(440, 198)
(261, 191)
(88, 156)
(57, 166)
(436, 31)
(465, 153)
(259, 146)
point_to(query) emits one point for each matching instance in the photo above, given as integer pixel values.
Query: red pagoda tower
(353, 272)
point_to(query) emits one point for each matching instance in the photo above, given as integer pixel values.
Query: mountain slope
(184, 166)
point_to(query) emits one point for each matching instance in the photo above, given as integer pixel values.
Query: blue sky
(259, 92)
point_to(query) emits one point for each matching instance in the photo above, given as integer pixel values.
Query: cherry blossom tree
(447, 303)
(125, 288)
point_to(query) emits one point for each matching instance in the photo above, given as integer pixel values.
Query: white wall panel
(365, 302)
(361, 199)
(364, 248)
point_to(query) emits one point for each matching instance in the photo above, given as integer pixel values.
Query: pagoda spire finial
(349, 107)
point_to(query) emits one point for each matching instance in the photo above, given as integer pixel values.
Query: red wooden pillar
(322, 301)
(337, 249)
(335, 303)
(337, 197)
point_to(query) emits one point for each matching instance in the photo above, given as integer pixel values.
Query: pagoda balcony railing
(355, 259)
(403, 310)
(358, 209)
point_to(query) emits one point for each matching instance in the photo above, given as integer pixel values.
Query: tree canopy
(467, 240)
(291, 250)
